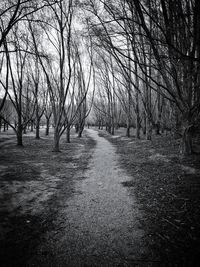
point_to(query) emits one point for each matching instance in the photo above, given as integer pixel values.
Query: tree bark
(47, 126)
(80, 132)
(37, 128)
(19, 135)
(56, 144)
(32, 124)
(4, 126)
(187, 141)
(128, 127)
(68, 134)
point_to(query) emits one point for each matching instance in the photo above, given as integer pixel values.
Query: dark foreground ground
(34, 183)
(167, 185)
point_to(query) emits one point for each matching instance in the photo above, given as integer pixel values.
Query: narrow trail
(101, 220)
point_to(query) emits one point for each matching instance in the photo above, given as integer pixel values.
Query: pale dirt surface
(99, 224)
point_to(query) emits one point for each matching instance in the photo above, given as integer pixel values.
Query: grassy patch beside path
(167, 187)
(34, 184)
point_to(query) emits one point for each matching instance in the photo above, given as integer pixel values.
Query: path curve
(101, 219)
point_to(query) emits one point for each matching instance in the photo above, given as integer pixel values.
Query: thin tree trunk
(144, 127)
(137, 116)
(68, 134)
(32, 124)
(19, 132)
(128, 126)
(47, 126)
(80, 132)
(56, 143)
(113, 129)
(187, 141)
(37, 128)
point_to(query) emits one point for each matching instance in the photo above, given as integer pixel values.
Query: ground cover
(167, 188)
(34, 181)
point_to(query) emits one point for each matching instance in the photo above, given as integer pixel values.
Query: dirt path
(99, 224)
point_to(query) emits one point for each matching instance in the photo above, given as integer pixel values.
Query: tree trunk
(113, 129)
(148, 130)
(47, 126)
(4, 126)
(68, 134)
(37, 128)
(80, 132)
(144, 126)
(81, 128)
(187, 141)
(76, 128)
(32, 123)
(178, 126)
(137, 107)
(128, 127)
(19, 135)
(137, 126)
(56, 144)
(148, 127)
(109, 129)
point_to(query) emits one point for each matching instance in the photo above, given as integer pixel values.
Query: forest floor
(33, 183)
(167, 186)
(103, 201)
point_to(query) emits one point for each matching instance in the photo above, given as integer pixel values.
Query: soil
(103, 201)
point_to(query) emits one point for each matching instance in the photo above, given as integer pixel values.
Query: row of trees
(143, 58)
(148, 65)
(43, 67)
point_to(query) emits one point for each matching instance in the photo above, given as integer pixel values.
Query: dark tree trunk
(37, 128)
(144, 127)
(56, 143)
(148, 128)
(4, 126)
(137, 117)
(47, 126)
(68, 134)
(157, 128)
(81, 128)
(138, 127)
(19, 134)
(187, 141)
(113, 130)
(32, 124)
(128, 127)
(76, 128)
(178, 124)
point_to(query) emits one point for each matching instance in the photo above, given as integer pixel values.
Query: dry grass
(34, 182)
